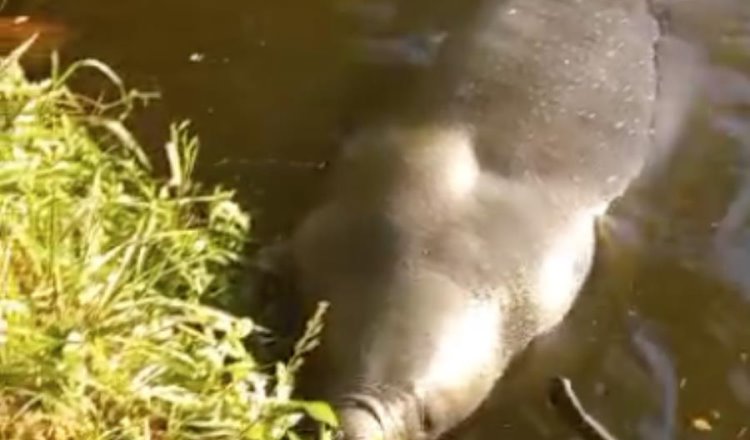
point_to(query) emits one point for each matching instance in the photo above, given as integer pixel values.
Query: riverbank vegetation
(109, 278)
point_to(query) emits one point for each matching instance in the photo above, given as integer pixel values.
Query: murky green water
(660, 337)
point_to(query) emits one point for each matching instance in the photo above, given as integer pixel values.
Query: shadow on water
(659, 342)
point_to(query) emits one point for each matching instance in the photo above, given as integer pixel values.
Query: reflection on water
(732, 238)
(48, 35)
(658, 361)
(661, 335)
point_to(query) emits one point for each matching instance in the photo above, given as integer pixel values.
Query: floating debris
(564, 398)
(701, 424)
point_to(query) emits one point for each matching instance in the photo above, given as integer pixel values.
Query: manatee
(460, 227)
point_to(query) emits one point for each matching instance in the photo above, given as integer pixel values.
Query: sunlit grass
(105, 274)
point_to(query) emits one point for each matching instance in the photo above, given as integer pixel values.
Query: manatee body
(462, 227)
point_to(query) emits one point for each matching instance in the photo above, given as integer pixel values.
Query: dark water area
(658, 346)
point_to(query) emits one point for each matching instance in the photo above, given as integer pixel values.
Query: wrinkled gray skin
(460, 229)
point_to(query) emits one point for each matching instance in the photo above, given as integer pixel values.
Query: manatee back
(555, 92)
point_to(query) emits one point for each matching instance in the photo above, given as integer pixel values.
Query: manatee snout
(428, 358)
(360, 424)
(381, 415)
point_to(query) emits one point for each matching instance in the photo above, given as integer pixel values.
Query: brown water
(661, 335)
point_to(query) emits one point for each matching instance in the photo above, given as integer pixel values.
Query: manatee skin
(460, 228)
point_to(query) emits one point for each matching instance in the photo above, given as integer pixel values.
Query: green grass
(106, 273)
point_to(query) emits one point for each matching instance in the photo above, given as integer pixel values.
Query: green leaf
(321, 412)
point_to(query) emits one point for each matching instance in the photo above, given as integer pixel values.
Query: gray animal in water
(460, 229)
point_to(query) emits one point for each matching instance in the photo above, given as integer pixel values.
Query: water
(659, 344)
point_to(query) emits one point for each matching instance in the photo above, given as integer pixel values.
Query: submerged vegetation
(106, 276)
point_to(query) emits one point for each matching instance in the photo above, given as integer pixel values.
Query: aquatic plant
(107, 276)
